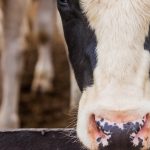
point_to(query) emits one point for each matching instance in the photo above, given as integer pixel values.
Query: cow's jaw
(121, 77)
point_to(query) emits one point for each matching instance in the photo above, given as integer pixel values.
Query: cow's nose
(108, 127)
(119, 135)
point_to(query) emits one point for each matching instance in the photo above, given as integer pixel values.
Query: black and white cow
(109, 49)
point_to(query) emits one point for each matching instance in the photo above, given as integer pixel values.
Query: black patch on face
(81, 41)
(147, 41)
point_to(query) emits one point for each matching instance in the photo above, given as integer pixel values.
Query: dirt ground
(49, 110)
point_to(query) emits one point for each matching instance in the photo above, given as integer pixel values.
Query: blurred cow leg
(12, 60)
(44, 26)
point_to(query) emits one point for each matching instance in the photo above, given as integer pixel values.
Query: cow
(44, 22)
(13, 43)
(15, 28)
(109, 49)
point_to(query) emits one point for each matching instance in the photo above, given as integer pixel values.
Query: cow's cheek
(85, 125)
(145, 133)
(82, 122)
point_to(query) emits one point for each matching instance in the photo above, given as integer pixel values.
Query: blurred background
(48, 109)
(45, 109)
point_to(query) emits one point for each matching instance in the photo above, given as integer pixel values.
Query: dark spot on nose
(120, 136)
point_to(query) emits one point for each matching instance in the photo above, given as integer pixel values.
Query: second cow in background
(13, 31)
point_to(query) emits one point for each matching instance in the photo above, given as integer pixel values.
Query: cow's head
(109, 44)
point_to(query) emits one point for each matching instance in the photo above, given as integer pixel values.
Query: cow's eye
(63, 2)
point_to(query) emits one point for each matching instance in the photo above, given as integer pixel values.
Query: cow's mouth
(125, 135)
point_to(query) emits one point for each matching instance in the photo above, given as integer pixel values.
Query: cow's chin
(85, 126)
(92, 137)
(89, 114)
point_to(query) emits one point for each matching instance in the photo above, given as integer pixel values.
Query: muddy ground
(49, 110)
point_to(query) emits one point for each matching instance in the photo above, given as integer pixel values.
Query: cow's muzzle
(119, 136)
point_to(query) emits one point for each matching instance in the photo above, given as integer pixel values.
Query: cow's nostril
(131, 127)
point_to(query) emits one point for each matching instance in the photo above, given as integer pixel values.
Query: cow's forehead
(91, 4)
(95, 8)
(120, 28)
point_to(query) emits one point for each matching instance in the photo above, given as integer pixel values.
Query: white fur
(121, 77)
